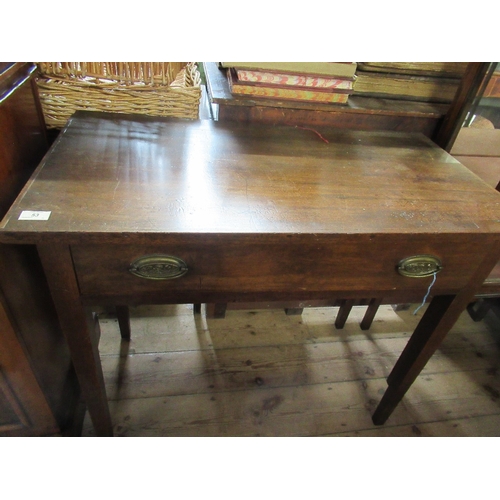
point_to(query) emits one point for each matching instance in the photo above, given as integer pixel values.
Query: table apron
(294, 266)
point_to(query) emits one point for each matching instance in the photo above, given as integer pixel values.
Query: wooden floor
(263, 373)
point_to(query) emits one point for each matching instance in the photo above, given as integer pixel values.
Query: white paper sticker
(34, 215)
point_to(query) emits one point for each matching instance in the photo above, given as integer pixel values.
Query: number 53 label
(34, 215)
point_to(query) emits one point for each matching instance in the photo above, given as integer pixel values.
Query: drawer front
(278, 263)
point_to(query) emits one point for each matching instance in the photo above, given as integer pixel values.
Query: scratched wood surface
(111, 174)
(262, 373)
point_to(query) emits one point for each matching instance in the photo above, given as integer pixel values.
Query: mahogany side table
(131, 210)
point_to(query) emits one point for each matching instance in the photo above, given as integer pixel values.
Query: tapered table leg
(77, 325)
(440, 316)
(421, 346)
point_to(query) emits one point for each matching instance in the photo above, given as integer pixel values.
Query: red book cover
(288, 92)
(297, 80)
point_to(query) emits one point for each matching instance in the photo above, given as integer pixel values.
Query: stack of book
(317, 82)
(416, 81)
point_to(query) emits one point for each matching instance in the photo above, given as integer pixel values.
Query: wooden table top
(117, 175)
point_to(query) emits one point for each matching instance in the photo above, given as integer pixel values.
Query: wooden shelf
(360, 113)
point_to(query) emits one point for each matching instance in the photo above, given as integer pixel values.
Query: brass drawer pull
(419, 266)
(158, 267)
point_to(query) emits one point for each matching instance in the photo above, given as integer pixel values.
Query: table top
(116, 175)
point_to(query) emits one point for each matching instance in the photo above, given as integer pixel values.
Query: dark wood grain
(140, 177)
(276, 264)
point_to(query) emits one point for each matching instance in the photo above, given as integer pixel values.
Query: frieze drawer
(250, 264)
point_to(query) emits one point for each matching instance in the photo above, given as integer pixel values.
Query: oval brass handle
(419, 266)
(158, 267)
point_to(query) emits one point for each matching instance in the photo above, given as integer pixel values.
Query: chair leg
(343, 314)
(478, 310)
(123, 316)
(196, 308)
(294, 311)
(371, 310)
(216, 311)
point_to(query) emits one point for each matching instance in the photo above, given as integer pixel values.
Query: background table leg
(216, 310)
(123, 317)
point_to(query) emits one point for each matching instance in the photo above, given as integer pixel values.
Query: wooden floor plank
(265, 373)
(313, 410)
(174, 373)
(481, 426)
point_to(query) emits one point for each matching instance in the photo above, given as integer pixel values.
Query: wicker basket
(156, 89)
